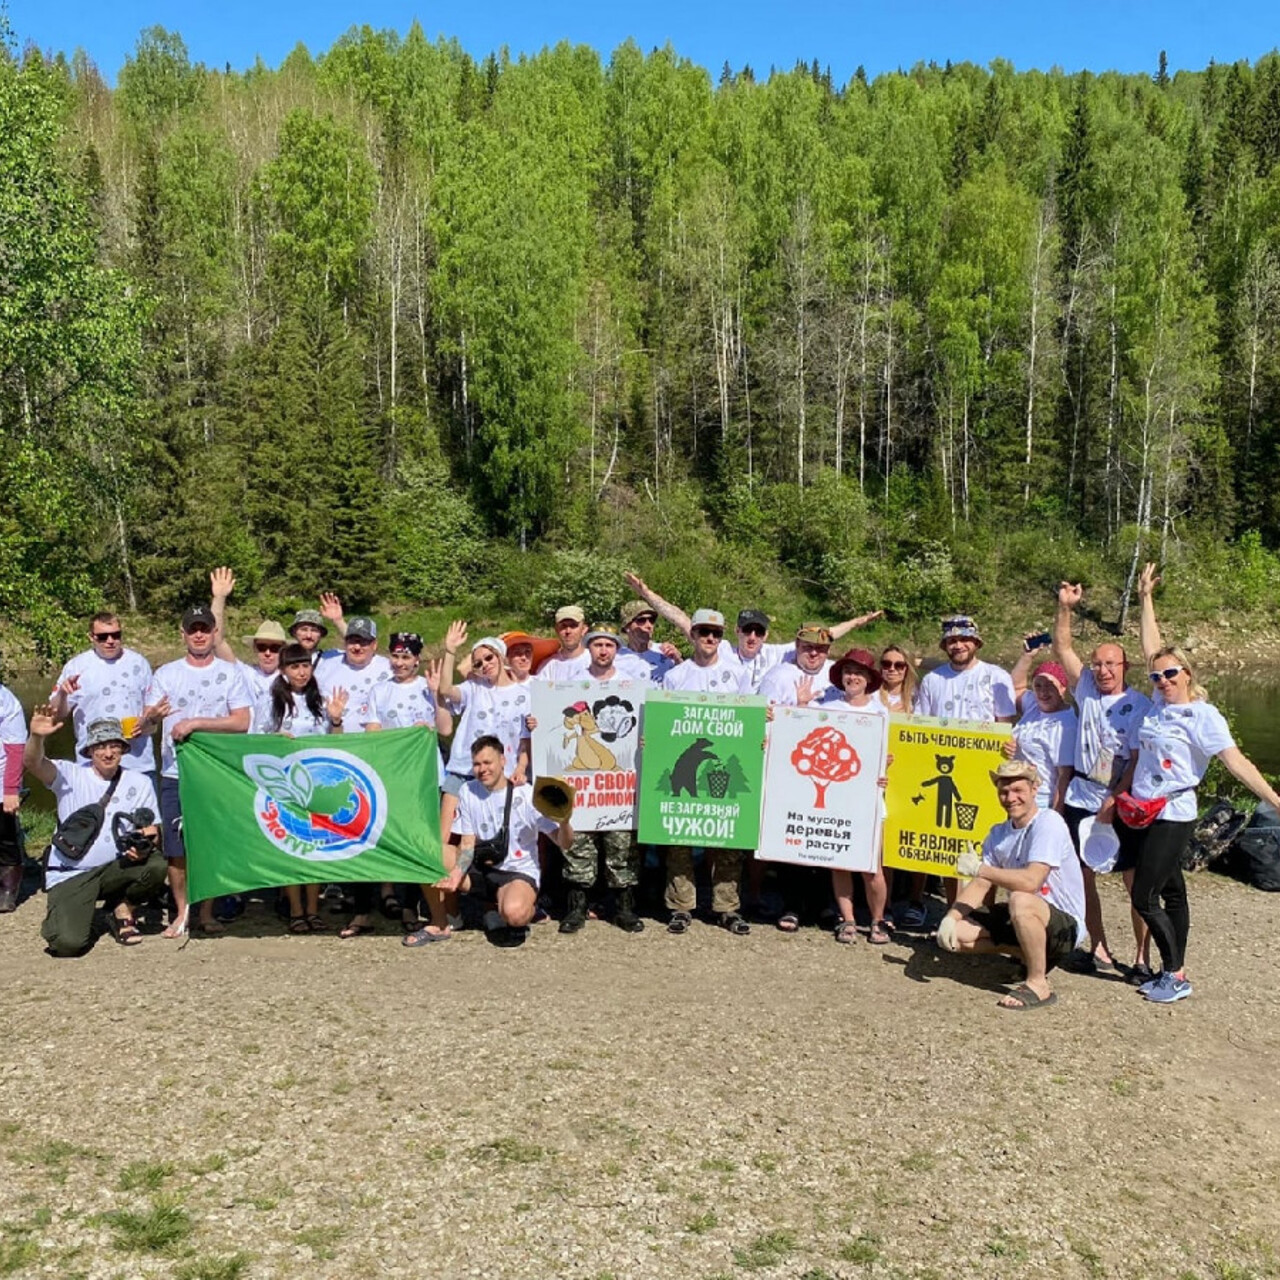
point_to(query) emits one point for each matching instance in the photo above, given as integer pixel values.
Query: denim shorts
(452, 783)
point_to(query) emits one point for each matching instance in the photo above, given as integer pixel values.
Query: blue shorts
(171, 819)
(452, 783)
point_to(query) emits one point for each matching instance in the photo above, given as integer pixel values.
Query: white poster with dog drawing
(588, 732)
(822, 794)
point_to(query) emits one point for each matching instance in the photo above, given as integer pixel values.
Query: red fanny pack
(1137, 813)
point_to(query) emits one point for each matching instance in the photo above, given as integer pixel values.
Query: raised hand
(152, 715)
(1148, 580)
(222, 582)
(432, 674)
(1070, 594)
(867, 617)
(337, 704)
(330, 606)
(67, 687)
(42, 721)
(636, 583)
(455, 637)
(805, 692)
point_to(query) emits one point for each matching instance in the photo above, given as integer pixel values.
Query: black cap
(410, 640)
(753, 617)
(199, 613)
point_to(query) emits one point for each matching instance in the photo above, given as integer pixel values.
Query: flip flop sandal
(423, 937)
(788, 922)
(846, 932)
(299, 924)
(356, 930)
(1028, 998)
(679, 922)
(733, 923)
(879, 934)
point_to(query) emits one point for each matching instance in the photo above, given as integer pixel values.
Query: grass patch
(229, 1268)
(767, 1250)
(144, 1175)
(719, 1164)
(765, 1162)
(919, 1162)
(512, 1151)
(1123, 1087)
(287, 1081)
(156, 1230)
(702, 1223)
(1003, 1245)
(16, 1255)
(1089, 1257)
(863, 1249)
(214, 1162)
(322, 1241)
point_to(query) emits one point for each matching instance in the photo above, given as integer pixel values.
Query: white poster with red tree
(822, 795)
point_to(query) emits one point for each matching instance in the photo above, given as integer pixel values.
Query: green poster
(701, 769)
(264, 809)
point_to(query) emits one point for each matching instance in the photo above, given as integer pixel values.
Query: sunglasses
(753, 630)
(650, 618)
(105, 635)
(709, 631)
(1167, 674)
(268, 648)
(887, 664)
(199, 629)
(359, 640)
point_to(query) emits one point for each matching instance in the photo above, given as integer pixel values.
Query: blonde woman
(898, 680)
(1157, 812)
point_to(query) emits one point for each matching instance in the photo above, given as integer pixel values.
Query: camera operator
(122, 864)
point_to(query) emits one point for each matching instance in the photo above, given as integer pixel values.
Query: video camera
(136, 835)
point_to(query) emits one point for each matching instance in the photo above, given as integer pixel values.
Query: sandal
(880, 933)
(316, 924)
(847, 932)
(354, 930)
(1026, 998)
(391, 907)
(422, 937)
(299, 924)
(124, 929)
(788, 922)
(177, 928)
(679, 922)
(733, 922)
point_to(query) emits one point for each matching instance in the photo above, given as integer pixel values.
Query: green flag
(262, 809)
(701, 769)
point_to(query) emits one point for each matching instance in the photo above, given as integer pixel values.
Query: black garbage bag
(1213, 836)
(1255, 856)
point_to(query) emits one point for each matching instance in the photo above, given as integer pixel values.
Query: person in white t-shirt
(964, 687)
(107, 681)
(505, 872)
(359, 670)
(709, 670)
(639, 658)
(1031, 857)
(799, 679)
(753, 651)
(13, 738)
(1109, 717)
(524, 653)
(293, 703)
(1045, 733)
(199, 693)
(572, 658)
(122, 872)
(1176, 744)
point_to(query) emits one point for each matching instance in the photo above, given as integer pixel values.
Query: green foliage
(583, 578)
(440, 547)
(156, 1229)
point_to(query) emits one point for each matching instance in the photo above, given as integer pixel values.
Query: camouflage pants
(726, 871)
(617, 849)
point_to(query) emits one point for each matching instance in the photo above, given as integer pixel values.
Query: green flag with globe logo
(266, 810)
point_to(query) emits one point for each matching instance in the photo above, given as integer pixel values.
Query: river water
(1251, 698)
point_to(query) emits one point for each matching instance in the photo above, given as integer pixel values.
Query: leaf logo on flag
(318, 804)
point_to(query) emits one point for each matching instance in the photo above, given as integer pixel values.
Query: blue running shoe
(1169, 989)
(1150, 984)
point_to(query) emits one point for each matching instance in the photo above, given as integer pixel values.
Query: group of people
(1100, 777)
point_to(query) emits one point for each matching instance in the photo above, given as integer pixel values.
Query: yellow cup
(129, 724)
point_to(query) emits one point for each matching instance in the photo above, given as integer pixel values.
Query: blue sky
(1092, 34)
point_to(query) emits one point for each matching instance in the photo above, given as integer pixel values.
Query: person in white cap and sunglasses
(709, 670)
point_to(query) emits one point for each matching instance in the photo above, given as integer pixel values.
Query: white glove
(947, 933)
(969, 862)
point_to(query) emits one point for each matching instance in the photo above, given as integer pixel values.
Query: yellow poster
(940, 794)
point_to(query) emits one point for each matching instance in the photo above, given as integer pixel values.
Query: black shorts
(487, 883)
(1061, 932)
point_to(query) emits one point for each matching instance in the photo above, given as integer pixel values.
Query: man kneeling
(1030, 856)
(120, 862)
(498, 854)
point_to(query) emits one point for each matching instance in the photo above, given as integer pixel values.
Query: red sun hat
(864, 660)
(1053, 671)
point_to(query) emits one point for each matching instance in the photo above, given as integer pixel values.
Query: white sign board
(822, 798)
(588, 732)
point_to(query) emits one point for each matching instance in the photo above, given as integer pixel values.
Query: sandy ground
(608, 1105)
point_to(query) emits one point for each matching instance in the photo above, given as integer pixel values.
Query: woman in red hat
(1045, 733)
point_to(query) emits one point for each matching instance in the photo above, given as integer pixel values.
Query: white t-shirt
(488, 709)
(980, 692)
(359, 682)
(1176, 743)
(1106, 736)
(297, 720)
(834, 700)
(13, 724)
(256, 680)
(769, 656)
(194, 692)
(781, 682)
(650, 665)
(114, 690)
(396, 705)
(73, 788)
(564, 668)
(1045, 839)
(1046, 740)
(724, 676)
(480, 813)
